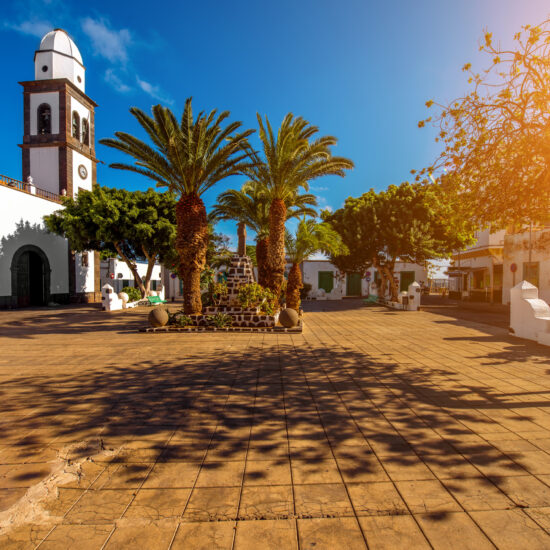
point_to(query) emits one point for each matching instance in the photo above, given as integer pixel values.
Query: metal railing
(30, 189)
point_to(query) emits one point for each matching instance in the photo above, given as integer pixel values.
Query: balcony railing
(29, 189)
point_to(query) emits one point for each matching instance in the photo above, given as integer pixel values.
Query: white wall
(84, 276)
(420, 273)
(45, 168)
(59, 66)
(78, 182)
(516, 250)
(14, 233)
(52, 99)
(310, 275)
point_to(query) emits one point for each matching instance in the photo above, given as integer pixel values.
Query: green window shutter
(326, 281)
(407, 277)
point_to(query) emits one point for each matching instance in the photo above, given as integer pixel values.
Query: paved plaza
(371, 429)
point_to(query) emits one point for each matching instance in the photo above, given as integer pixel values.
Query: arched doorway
(30, 277)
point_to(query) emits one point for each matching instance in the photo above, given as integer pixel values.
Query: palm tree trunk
(241, 232)
(261, 259)
(191, 244)
(276, 246)
(293, 287)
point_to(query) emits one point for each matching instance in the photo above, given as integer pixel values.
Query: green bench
(371, 300)
(155, 300)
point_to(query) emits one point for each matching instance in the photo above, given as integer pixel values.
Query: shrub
(179, 319)
(270, 303)
(218, 290)
(220, 320)
(133, 293)
(250, 295)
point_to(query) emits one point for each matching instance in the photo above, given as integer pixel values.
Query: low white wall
(21, 224)
(529, 315)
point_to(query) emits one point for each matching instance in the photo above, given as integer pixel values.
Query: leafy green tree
(496, 143)
(311, 237)
(188, 157)
(133, 225)
(250, 207)
(291, 159)
(409, 222)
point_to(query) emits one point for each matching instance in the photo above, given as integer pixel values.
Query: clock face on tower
(82, 172)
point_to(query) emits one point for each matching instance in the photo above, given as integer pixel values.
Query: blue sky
(360, 70)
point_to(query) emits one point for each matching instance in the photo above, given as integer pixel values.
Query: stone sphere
(158, 317)
(123, 296)
(288, 318)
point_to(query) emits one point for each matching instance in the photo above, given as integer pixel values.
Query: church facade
(58, 159)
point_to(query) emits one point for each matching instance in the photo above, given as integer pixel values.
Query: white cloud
(31, 27)
(153, 91)
(116, 82)
(318, 188)
(108, 43)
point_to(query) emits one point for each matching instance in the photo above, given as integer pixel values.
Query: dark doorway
(30, 277)
(353, 284)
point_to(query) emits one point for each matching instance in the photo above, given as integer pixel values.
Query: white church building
(58, 157)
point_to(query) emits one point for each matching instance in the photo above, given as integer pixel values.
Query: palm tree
(291, 160)
(311, 237)
(250, 207)
(188, 158)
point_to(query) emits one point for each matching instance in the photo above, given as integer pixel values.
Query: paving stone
(327, 534)
(512, 529)
(323, 500)
(274, 535)
(205, 536)
(259, 502)
(427, 497)
(393, 533)
(85, 537)
(158, 504)
(142, 534)
(455, 530)
(376, 499)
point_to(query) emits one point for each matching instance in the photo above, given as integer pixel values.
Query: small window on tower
(44, 68)
(44, 116)
(85, 132)
(76, 125)
(84, 259)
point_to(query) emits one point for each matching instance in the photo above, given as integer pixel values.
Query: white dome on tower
(59, 41)
(58, 57)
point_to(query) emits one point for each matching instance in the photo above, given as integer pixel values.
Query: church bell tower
(58, 138)
(59, 141)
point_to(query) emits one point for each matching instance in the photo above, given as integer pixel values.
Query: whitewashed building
(477, 272)
(116, 273)
(487, 270)
(58, 158)
(526, 257)
(321, 274)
